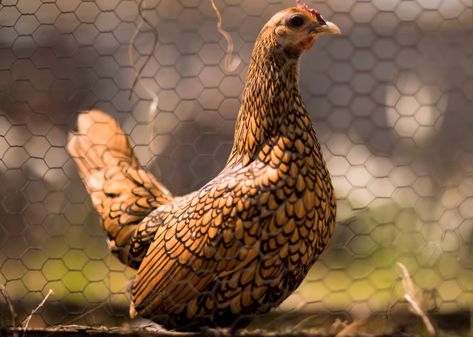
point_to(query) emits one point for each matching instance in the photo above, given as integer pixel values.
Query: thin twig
(139, 71)
(411, 297)
(7, 298)
(153, 107)
(26, 322)
(230, 65)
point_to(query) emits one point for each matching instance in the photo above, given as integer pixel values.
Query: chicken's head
(300, 27)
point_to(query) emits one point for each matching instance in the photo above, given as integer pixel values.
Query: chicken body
(243, 242)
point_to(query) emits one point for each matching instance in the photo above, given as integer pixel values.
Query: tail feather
(121, 192)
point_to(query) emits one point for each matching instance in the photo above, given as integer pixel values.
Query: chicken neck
(271, 95)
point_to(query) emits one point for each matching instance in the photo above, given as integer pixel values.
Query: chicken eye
(296, 21)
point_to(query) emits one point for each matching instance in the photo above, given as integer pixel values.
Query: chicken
(244, 242)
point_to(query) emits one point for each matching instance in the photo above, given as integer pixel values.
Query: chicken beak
(327, 28)
(330, 28)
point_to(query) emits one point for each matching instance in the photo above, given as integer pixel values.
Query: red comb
(302, 5)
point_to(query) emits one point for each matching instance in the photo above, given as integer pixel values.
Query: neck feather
(271, 93)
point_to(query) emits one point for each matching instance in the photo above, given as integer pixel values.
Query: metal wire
(390, 99)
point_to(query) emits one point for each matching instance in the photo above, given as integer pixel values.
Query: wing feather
(191, 251)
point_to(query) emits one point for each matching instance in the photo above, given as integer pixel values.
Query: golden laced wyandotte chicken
(244, 242)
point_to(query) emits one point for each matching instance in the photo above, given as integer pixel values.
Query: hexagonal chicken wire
(390, 99)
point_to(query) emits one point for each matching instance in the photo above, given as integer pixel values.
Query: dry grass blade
(411, 296)
(27, 320)
(230, 65)
(7, 298)
(88, 312)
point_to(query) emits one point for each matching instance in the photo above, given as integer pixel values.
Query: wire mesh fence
(391, 100)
